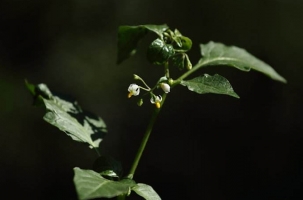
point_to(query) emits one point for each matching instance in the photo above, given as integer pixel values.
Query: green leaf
(67, 115)
(30, 87)
(146, 191)
(219, 54)
(129, 36)
(158, 29)
(210, 84)
(90, 184)
(178, 60)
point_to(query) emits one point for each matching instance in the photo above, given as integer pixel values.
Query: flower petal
(165, 87)
(134, 89)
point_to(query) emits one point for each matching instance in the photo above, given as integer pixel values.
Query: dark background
(212, 147)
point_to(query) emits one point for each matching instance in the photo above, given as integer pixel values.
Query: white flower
(156, 100)
(133, 89)
(165, 87)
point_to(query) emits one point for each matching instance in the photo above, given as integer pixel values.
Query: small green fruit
(159, 52)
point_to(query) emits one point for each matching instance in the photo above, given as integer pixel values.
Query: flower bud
(165, 87)
(140, 102)
(188, 63)
(136, 77)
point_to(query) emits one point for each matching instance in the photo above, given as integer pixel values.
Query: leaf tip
(29, 86)
(76, 168)
(283, 80)
(236, 96)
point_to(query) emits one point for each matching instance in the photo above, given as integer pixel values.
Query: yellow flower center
(129, 95)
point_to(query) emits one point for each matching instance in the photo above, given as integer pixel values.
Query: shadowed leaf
(129, 36)
(67, 115)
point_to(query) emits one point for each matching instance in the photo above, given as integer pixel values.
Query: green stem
(166, 70)
(136, 77)
(154, 117)
(145, 139)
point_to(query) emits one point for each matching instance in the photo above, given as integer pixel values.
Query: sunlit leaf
(129, 36)
(210, 84)
(90, 184)
(219, 54)
(146, 191)
(67, 115)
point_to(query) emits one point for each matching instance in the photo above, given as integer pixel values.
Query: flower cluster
(134, 90)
